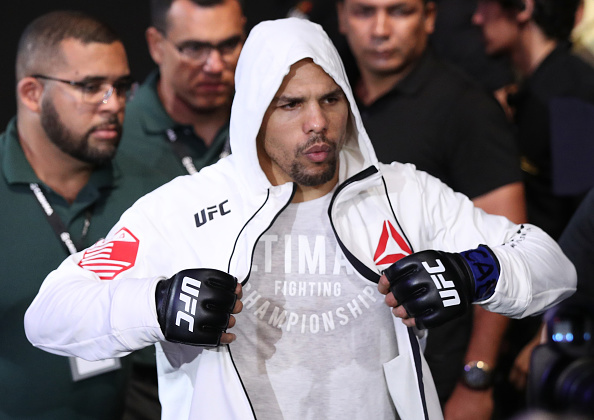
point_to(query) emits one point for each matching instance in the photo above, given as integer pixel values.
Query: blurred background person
(552, 111)
(421, 110)
(457, 40)
(59, 192)
(535, 35)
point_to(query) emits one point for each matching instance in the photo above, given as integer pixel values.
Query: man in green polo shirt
(177, 121)
(59, 193)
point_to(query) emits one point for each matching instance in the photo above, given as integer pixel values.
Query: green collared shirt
(145, 138)
(36, 384)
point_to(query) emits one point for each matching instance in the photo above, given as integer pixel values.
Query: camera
(561, 378)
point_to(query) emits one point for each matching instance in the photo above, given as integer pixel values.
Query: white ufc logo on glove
(190, 287)
(449, 296)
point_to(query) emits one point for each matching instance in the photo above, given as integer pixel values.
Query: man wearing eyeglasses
(178, 120)
(59, 193)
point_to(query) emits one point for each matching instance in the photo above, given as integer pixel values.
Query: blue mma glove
(435, 286)
(194, 306)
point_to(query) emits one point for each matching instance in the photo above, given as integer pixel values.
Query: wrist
(485, 269)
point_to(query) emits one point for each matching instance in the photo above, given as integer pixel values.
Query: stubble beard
(299, 172)
(77, 147)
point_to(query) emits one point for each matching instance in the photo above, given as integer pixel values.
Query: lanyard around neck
(182, 152)
(56, 223)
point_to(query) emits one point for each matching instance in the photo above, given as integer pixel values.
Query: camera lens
(574, 388)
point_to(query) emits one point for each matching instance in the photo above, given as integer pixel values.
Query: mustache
(112, 122)
(317, 139)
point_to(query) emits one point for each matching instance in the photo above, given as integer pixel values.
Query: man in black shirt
(420, 110)
(552, 112)
(535, 35)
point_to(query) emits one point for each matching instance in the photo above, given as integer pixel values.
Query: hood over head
(270, 50)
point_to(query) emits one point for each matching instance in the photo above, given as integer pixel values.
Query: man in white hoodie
(296, 227)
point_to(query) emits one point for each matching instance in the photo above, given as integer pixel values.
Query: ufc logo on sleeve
(449, 296)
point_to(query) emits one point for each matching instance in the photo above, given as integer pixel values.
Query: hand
(435, 287)
(518, 375)
(398, 310)
(195, 306)
(227, 338)
(466, 403)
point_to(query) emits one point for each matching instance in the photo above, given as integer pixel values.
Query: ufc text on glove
(194, 306)
(435, 286)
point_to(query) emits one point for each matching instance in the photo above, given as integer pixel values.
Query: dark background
(129, 18)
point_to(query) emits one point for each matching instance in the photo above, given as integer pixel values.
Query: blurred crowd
(493, 97)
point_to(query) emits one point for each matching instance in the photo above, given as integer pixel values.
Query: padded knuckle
(197, 306)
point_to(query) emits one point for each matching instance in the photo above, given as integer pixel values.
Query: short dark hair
(160, 8)
(39, 44)
(556, 18)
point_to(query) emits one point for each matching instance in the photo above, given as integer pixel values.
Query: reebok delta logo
(391, 246)
(108, 259)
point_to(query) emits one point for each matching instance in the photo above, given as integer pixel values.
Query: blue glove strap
(485, 270)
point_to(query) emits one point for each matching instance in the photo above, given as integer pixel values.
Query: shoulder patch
(107, 259)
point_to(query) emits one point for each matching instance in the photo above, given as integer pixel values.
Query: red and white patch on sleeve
(107, 259)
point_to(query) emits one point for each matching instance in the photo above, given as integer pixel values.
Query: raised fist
(435, 287)
(195, 306)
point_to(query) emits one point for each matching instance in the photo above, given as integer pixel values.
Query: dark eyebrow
(336, 92)
(286, 98)
(196, 43)
(101, 79)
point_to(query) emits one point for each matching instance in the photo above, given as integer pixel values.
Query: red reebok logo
(108, 259)
(391, 246)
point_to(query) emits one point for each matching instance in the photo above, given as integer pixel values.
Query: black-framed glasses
(96, 90)
(199, 51)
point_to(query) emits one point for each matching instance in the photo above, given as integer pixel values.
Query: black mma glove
(435, 287)
(194, 306)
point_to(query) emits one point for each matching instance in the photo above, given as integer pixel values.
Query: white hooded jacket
(100, 303)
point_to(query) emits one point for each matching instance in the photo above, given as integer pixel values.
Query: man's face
(386, 36)
(304, 128)
(208, 86)
(89, 132)
(499, 26)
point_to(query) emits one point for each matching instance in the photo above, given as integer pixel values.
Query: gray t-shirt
(312, 336)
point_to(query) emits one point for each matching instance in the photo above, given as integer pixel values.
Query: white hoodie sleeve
(535, 274)
(76, 313)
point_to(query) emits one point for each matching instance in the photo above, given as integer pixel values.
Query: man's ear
(29, 92)
(525, 14)
(154, 40)
(430, 16)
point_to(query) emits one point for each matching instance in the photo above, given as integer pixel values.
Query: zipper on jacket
(250, 272)
(256, 242)
(241, 382)
(263, 232)
(365, 271)
(373, 276)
